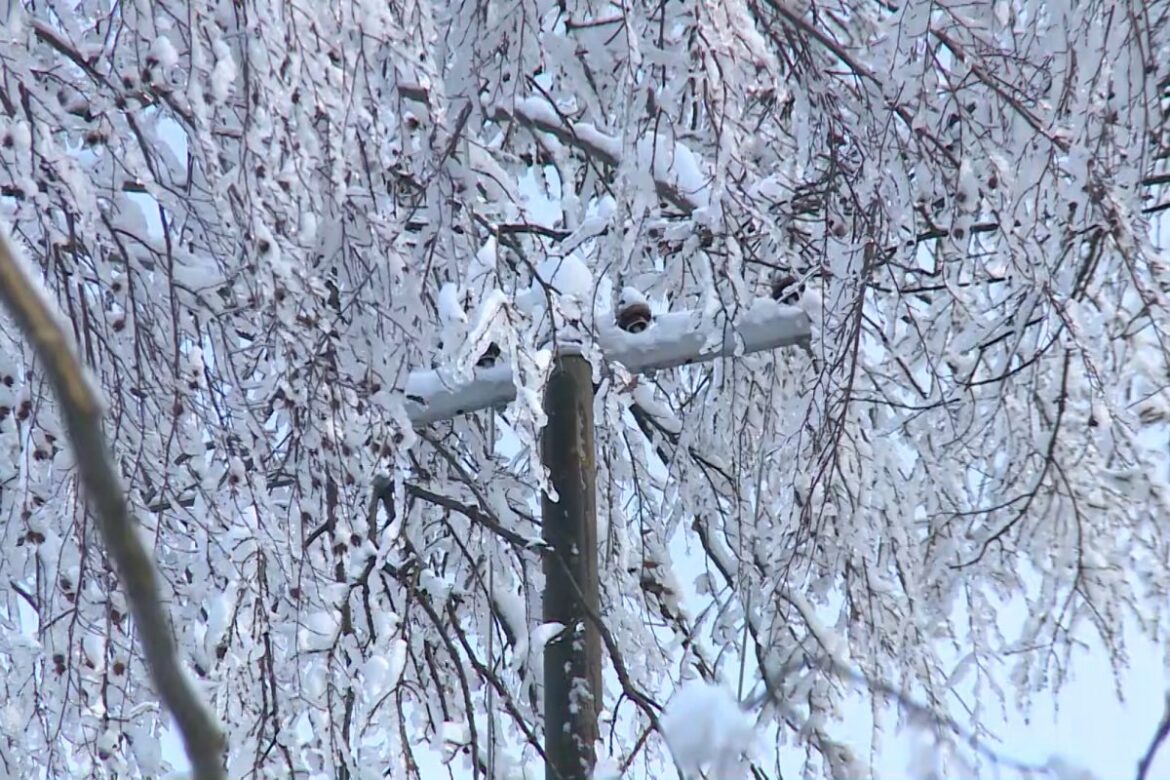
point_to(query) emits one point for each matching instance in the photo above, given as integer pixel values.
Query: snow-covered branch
(82, 411)
(677, 172)
(256, 227)
(673, 339)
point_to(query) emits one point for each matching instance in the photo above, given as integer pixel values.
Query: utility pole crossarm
(574, 693)
(673, 339)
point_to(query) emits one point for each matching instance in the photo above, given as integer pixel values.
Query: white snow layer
(568, 276)
(631, 296)
(673, 339)
(706, 729)
(450, 310)
(674, 165)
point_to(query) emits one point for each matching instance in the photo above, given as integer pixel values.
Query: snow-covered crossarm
(674, 339)
(430, 398)
(680, 338)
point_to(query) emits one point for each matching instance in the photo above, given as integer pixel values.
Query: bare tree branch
(202, 737)
(1160, 735)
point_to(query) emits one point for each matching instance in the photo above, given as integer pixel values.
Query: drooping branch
(80, 405)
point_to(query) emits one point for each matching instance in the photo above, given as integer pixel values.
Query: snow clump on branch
(706, 728)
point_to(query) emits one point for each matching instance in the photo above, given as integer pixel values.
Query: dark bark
(572, 664)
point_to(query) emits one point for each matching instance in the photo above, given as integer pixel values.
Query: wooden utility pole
(572, 664)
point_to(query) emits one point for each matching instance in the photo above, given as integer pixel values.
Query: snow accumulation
(539, 112)
(381, 673)
(607, 767)
(567, 275)
(589, 135)
(431, 398)
(644, 397)
(567, 281)
(673, 339)
(680, 338)
(706, 729)
(631, 296)
(484, 264)
(674, 165)
(529, 650)
(164, 51)
(450, 310)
